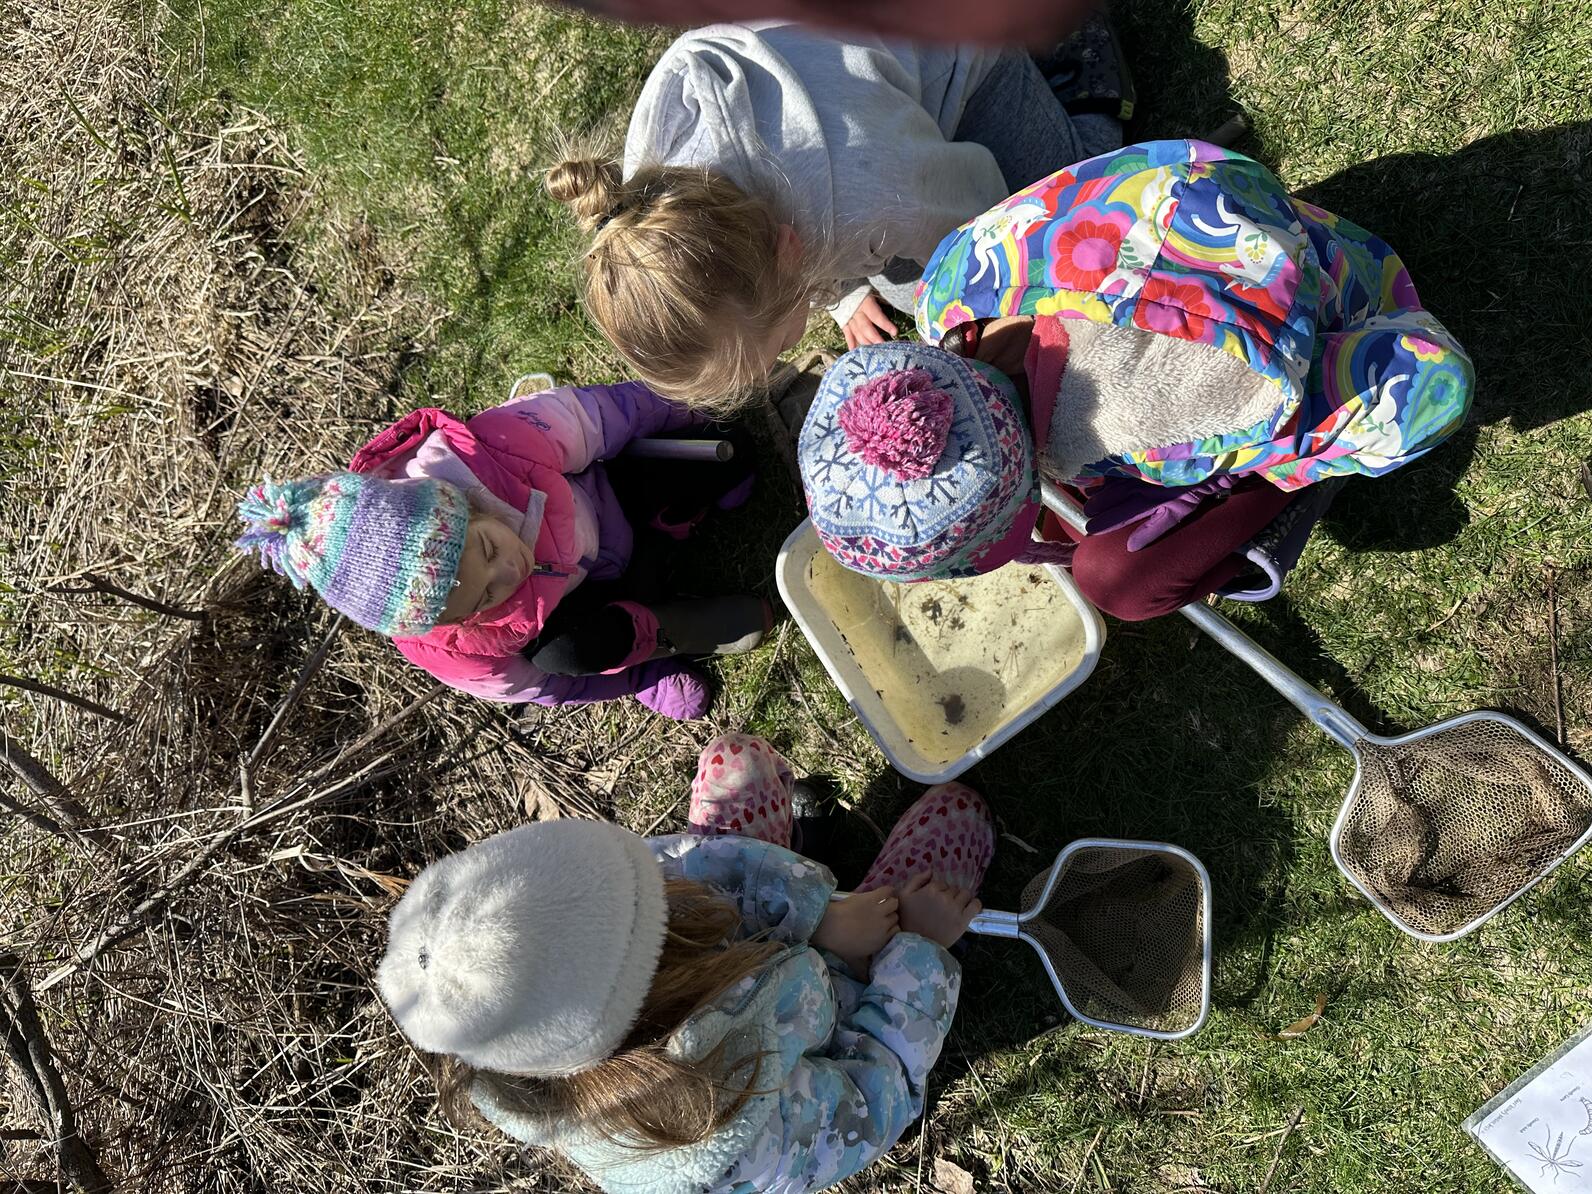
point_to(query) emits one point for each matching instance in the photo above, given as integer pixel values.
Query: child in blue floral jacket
(693, 1012)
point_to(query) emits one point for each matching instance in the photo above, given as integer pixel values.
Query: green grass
(1459, 130)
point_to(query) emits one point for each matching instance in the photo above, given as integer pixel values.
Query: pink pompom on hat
(919, 465)
(898, 422)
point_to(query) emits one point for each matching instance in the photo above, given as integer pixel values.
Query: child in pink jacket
(459, 539)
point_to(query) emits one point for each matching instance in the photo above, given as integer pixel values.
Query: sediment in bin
(953, 661)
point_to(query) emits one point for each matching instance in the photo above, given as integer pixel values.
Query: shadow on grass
(1183, 83)
(1168, 741)
(1496, 237)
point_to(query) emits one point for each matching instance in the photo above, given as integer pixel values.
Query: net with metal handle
(1445, 827)
(1122, 929)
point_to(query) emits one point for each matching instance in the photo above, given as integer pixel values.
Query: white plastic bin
(941, 674)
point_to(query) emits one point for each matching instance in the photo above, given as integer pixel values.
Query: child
(768, 164)
(459, 539)
(692, 1013)
(1195, 348)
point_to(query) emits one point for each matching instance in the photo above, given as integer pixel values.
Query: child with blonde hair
(482, 547)
(769, 166)
(692, 1013)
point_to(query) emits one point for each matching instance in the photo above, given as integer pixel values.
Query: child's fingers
(917, 883)
(889, 905)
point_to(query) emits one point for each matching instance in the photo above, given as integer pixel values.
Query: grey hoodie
(850, 136)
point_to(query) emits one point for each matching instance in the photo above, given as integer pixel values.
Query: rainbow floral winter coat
(1204, 245)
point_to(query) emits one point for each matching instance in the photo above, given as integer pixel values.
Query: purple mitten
(676, 689)
(1123, 501)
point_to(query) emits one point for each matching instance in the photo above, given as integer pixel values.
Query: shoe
(1089, 74)
(820, 828)
(712, 625)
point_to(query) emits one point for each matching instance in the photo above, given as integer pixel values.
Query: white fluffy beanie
(530, 952)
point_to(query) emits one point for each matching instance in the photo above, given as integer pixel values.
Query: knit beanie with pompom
(384, 553)
(918, 464)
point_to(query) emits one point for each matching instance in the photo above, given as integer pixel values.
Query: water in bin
(1123, 929)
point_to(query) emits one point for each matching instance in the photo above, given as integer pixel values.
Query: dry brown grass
(167, 339)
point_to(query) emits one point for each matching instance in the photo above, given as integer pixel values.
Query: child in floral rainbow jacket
(1191, 348)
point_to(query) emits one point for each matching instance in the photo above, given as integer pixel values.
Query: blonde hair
(641, 1096)
(682, 274)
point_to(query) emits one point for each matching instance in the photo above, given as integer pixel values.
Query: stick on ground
(98, 584)
(1553, 661)
(66, 815)
(29, 1053)
(60, 694)
(1276, 1160)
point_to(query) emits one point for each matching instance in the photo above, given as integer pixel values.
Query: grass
(1460, 131)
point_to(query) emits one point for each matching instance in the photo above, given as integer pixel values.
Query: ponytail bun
(589, 187)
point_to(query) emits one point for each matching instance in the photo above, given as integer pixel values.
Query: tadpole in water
(931, 609)
(953, 708)
(956, 622)
(902, 634)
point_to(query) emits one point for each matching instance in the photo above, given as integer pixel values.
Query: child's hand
(869, 324)
(936, 910)
(858, 926)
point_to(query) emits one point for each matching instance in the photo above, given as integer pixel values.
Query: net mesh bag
(1124, 930)
(1445, 828)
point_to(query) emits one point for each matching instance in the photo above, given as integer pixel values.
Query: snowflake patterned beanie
(532, 951)
(384, 553)
(918, 464)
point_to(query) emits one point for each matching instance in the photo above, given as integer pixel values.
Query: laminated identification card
(1539, 1127)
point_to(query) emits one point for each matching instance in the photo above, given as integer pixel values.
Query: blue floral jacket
(845, 1062)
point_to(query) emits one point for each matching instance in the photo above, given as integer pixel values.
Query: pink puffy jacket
(532, 462)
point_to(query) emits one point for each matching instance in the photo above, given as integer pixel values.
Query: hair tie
(608, 218)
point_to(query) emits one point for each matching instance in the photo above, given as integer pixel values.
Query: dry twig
(29, 1052)
(294, 695)
(1276, 1160)
(60, 694)
(1553, 661)
(66, 815)
(98, 584)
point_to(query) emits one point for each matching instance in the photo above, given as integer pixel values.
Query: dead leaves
(1302, 1025)
(540, 804)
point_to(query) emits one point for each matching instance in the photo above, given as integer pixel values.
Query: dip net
(1123, 929)
(1446, 826)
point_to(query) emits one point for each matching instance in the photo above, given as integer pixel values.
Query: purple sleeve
(665, 686)
(583, 424)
